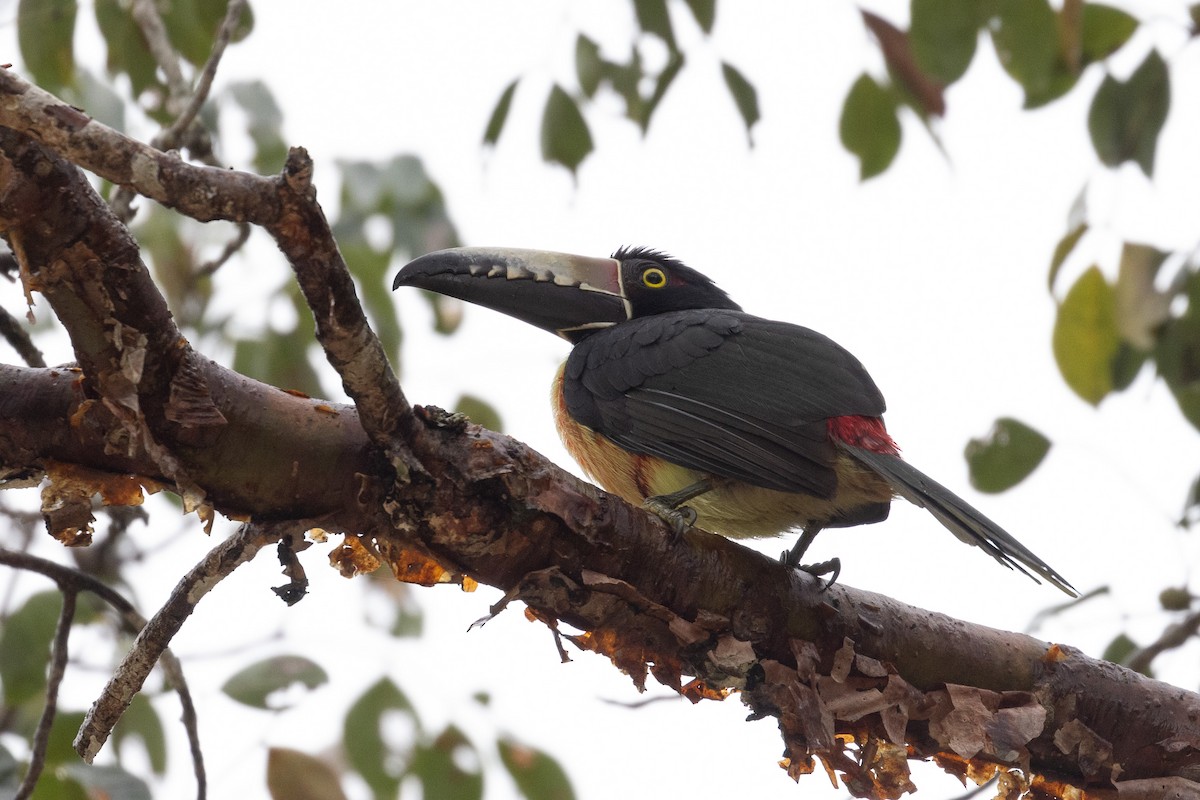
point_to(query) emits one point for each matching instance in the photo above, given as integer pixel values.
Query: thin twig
(145, 14)
(231, 249)
(187, 715)
(169, 138)
(58, 667)
(65, 576)
(73, 580)
(15, 334)
(153, 639)
(1174, 636)
(183, 100)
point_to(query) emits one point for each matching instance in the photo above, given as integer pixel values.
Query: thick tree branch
(836, 666)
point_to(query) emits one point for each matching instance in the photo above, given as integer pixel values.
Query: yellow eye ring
(654, 278)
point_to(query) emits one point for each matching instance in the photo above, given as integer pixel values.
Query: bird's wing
(721, 392)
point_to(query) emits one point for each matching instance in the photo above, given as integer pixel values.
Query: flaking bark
(440, 499)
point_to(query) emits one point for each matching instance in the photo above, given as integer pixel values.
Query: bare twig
(231, 249)
(1174, 636)
(58, 667)
(170, 137)
(72, 581)
(153, 639)
(15, 334)
(182, 100)
(145, 14)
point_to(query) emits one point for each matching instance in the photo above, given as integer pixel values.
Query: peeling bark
(857, 681)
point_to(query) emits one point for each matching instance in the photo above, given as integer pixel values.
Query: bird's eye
(654, 278)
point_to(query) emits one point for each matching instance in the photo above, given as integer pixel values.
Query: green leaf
(362, 737)
(264, 124)
(589, 66)
(25, 646)
(173, 260)
(448, 767)
(1119, 649)
(281, 359)
(869, 127)
(1063, 249)
(499, 115)
(1105, 30)
(705, 12)
(10, 773)
(46, 36)
(665, 78)
(97, 98)
(192, 26)
(653, 18)
(107, 781)
(62, 733)
(1026, 40)
(566, 139)
(537, 775)
(1127, 363)
(408, 621)
(254, 684)
(943, 35)
(1191, 505)
(480, 411)
(141, 721)
(293, 775)
(127, 50)
(1175, 598)
(745, 96)
(52, 786)
(1178, 354)
(1127, 116)
(1011, 451)
(1085, 338)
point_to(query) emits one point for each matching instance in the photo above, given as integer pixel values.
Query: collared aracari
(675, 398)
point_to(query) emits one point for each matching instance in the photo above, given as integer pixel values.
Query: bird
(674, 398)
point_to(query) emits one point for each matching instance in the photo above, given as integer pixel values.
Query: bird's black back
(722, 392)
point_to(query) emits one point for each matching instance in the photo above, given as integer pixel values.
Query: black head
(653, 283)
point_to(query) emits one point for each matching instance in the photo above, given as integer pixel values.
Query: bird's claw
(679, 518)
(833, 565)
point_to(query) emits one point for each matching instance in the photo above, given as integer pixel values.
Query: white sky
(934, 275)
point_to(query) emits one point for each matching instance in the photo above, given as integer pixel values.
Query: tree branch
(72, 581)
(835, 666)
(16, 335)
(58, 667)
(285, 206)
(154, 637)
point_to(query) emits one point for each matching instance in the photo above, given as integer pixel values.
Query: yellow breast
(731, 508)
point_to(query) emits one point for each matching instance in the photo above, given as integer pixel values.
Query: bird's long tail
(959, 516)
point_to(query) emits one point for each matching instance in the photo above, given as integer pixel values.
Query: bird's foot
(680, 518)
(832, 567)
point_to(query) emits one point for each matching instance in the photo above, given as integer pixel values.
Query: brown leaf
(893, 42)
